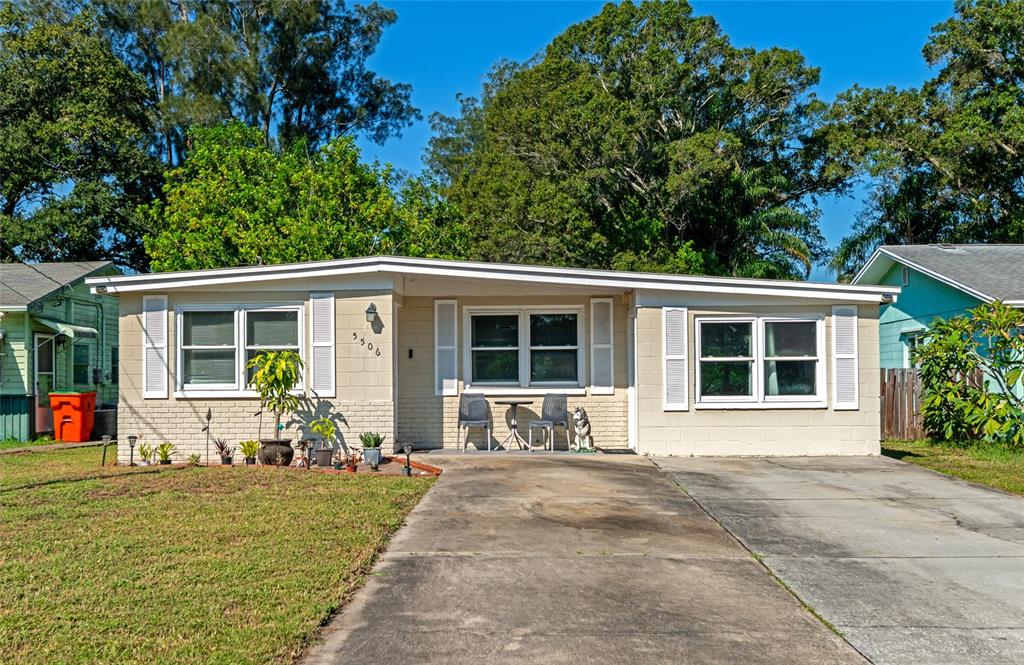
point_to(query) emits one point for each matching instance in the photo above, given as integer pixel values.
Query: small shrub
(249, 448)
(146, 452)
(194, 459)
(165, 450)
(223, 449)
(371, 440)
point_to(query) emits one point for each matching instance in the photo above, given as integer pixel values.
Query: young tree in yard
(957, 406)
(950, 154)
(74, 122)
(642, 139)
(237, 201)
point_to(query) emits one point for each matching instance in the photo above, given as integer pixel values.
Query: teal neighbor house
(938, 281)
(54, 335)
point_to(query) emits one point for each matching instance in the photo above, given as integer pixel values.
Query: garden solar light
(106, 442)
(132, 439)
(407, 449)
(371, 313)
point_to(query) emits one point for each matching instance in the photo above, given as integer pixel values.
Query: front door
(44, 380)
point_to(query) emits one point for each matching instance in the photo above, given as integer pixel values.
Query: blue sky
(443, 48)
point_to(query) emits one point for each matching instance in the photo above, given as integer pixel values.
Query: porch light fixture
(371, 313)
(132, 439)
(407, 449)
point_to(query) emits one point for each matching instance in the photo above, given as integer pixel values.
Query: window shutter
(844, 355)
(674, 321)
(602, 356)
(321, 354)
(445, 347)
(154, 347)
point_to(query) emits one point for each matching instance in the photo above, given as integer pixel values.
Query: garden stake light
(407, 449)
(209, 416)
(131, 448)
(106, 442)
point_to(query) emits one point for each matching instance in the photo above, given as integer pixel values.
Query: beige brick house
(663, 364)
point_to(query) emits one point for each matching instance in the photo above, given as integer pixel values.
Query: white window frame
(523, 386)
(758, 399)
(907, 335)
(237, 388)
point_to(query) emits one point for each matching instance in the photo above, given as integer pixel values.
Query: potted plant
(274, 376)
(325, 429)
(225, 451)
(372, 442)
(145, 454)
(351, 462)
(194, 459)
(250, 449)
(164, 452)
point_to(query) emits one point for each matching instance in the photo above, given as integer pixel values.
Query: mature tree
(237, 201)
(642, 138)
(73, 136)
(949, 155)
(293, 69)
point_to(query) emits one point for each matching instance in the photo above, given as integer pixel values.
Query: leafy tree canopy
(237, 201)
(294, 69)
(948, 156)
(642, 139)
(73, 134)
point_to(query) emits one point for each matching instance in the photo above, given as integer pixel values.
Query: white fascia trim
(921, 269)
(476, 270)
(753, 406)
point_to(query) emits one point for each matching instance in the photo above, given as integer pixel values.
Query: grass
(992, 465)
(181, 565)
(14, 443)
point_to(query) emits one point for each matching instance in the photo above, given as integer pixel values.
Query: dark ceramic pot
(227, 461)
(273, 451)
(323, 457)
(165, 461)
(250, 460)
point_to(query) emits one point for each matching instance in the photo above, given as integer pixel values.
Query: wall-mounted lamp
(371, 313)
(3, 333)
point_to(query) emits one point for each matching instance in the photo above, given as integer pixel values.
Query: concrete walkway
(570, 559)
(911, 566)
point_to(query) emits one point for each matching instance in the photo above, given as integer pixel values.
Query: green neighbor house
(938, 281)
(54, 335)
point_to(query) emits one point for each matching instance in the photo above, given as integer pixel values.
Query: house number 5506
(368, 345)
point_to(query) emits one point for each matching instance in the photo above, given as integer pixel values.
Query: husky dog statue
(581, 427)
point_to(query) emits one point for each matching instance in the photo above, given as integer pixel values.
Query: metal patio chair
(554, 412)
(473, 412)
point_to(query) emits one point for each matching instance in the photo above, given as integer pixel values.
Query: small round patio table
(513, 424)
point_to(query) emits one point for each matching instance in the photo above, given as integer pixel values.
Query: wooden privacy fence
(901, 405)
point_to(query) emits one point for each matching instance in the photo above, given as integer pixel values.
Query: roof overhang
(882, 260)
(490, 271)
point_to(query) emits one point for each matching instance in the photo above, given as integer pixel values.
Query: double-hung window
(209, 349)
(761, 361)
(216, 343)
(524, 347)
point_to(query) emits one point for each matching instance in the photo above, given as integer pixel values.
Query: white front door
(43, 380)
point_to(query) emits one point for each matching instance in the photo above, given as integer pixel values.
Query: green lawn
(14, 443)
(995, 466)
(183, 565)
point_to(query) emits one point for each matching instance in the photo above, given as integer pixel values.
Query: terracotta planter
(351, 468)
(274, 450)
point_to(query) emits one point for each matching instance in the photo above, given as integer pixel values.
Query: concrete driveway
(909, 565)
(569, 559)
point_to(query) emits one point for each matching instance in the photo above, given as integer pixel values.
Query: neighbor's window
(726, 359)
(554, 348)
(115, 362)
(494, 348)
(80, 365)
(912, 341)
(208, 350)
(270, 330)
(790, 358)
(760, 360)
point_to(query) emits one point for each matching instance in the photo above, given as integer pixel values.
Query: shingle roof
(22, 284)
(994, 270)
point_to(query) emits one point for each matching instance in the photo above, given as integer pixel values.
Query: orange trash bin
(73, 415)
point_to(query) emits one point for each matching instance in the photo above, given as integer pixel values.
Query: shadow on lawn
(899, 454)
